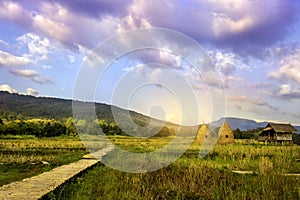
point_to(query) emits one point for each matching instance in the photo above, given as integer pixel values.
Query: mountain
(242, 124)
(14, 106)
(17, 106)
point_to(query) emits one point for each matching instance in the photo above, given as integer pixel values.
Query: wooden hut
(225, 134)
(274, 132)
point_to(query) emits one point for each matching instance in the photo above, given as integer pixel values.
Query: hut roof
(280, 127)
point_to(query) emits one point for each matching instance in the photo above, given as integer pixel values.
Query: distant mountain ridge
(243, 124)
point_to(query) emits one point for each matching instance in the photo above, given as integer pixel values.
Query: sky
(254, 48)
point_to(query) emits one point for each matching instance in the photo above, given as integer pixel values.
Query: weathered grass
(191, 177)
(21, 158)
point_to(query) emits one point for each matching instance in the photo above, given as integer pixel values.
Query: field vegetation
(191, 177)
(26, 156)
(38, 134)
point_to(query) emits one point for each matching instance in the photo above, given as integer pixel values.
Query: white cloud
(72, 29)
(289, 69)
(223, 24)
(9, 60)
(285, 89)
(14, 12)
(2, 42)
(164, 57)
(46, 67)
(227, 63)
(32, 92)
(7, 88)
(31, 75)
(28, 73)
(287, 92)
(249, 100)
(155, 75)
(71, 58)
(38, 47)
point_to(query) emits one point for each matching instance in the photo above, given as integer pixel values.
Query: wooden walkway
(37, 186)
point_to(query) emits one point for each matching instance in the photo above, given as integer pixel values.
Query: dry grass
(191, 177)
(21, 158)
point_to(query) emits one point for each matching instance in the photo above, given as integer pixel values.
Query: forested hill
(16, 106)
(47, 117)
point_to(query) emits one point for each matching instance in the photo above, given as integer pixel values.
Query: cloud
(71, 58)
(225, 62)
(7, 88)
(47, 67)
(32, 92)
(9, 60)
(38, 47)
(31, 75)
(289, 69)
(2, 42)
(252, 101)
(287, 92)
(14, 12)
(155, 75)
(28, 73)
(238, 25)
(56, 21)
(98, 8)
(160, 56)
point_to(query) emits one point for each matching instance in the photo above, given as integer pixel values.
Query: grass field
(22, 157)
(191, 177)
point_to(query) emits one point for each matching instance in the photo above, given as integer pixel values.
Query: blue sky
(255, 46)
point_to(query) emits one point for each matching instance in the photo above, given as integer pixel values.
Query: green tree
(53, 128)
(296, 138)
(237, 133)
(70, 126)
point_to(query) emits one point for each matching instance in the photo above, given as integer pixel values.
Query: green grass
(23, 157)
(191, 177)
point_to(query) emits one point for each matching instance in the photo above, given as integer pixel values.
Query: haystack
(203, 131)
(225, 134)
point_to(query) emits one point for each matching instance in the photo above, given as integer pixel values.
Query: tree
(296, 138)
(164, 132)
(237, 133)
(70, 126)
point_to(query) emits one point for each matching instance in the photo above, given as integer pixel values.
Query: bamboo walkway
(37, 186)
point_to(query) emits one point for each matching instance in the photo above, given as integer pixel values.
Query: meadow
(26, 156)
(191, 177)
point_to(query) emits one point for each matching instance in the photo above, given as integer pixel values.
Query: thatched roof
(279, 128)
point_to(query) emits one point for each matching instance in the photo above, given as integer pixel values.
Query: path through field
(37, 186)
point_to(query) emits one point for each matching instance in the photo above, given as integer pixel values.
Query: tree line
(70, 126)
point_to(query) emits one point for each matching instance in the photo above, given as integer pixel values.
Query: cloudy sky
(254, 45)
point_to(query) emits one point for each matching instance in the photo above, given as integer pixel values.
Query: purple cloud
(96, 8)
(243, 26)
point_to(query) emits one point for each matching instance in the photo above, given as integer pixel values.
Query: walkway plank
(37, 186)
